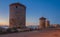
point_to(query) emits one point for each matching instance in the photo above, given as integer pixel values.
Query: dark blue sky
(35, 9)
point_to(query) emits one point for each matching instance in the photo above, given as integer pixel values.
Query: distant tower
(47, 23)
(42, 22)
(17, 16)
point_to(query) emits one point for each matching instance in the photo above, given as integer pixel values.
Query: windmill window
(16, 6)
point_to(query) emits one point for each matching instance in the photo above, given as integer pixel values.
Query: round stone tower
(17, 16)
(47, 23)
(42, 22)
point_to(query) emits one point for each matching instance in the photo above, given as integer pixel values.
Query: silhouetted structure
(42, 22)
(17, 15)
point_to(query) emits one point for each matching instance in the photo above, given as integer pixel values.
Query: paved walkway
(49, 33)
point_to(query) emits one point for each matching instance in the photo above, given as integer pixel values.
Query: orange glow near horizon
(7, 23)
(4, 22)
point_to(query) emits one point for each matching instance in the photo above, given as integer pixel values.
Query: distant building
(42, 22)
(17, 16)
(47, 23)
(55, 25)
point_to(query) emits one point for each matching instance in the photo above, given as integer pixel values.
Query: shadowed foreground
(44, 33)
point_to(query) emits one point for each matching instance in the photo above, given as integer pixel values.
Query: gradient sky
(35, 9)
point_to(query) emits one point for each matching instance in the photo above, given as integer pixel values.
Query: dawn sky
(34, 10)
